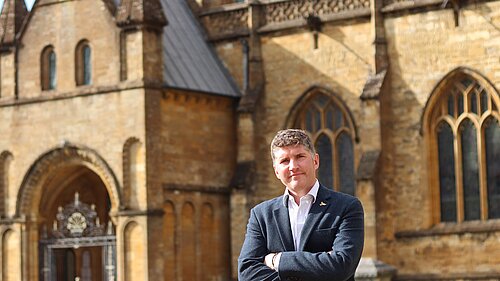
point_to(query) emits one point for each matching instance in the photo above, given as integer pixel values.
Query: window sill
(453, 229)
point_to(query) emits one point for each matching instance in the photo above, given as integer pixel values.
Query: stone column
(245, 176)
(370, 268)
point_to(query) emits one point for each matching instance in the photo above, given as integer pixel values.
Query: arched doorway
(52, 181)
(77, 240)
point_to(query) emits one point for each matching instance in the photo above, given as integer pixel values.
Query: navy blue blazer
(330, 247)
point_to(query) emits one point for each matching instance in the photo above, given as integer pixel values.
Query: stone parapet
(231, 21)
(226, 22)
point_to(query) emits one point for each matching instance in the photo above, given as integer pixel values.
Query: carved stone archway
(50, 165)
(65, 155)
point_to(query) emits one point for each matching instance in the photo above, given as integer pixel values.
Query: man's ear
(316, 161)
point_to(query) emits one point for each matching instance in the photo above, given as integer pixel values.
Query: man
(311, 232)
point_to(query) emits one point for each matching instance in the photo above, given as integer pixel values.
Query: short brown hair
(289, 137)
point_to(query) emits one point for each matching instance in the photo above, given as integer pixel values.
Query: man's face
(296, 167)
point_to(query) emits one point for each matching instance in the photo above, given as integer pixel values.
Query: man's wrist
(276, 261)
(273, 261)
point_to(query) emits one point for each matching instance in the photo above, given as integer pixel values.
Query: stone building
(134, 134)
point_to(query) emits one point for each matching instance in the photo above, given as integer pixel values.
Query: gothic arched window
(48, 68)
(464, 130)
(332, 131)
(83, 63)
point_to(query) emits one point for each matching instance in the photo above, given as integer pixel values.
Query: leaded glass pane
(321, 100)
(451, 105)
(339, 118)
(309, 121)
(466, 82)
(484, 101)
(317, 119)
(325, 171)
(470, 171)
(473, 103)
(346, 164)
(447, 173)
(492, 141)
(87, 66)
(52, 70)
(460, 100)
(329, 117)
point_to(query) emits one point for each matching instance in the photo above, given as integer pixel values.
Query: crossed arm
(338, 262)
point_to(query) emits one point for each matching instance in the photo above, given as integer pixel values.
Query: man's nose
(293, 165)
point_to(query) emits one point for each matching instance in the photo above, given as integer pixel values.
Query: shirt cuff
(277, 261)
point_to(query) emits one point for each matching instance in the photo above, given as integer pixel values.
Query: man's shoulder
(339, 196)
(269, 204)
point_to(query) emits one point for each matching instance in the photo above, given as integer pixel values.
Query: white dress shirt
(298, 214)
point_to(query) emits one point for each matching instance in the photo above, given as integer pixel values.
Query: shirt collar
(313, 192)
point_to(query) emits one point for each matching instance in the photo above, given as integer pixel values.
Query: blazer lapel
(282, 220)
(315, 214)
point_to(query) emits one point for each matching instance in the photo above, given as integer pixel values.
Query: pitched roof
(189, 61)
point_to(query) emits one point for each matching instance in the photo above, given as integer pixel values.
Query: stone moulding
(493, 275)
(226, 23)
(441, 229)
(173, 187)
(233, 21)
(61, 156)
(397, 5)
(283, 11)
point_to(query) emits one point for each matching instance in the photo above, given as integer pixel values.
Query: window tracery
(332, 131)
(465, 133)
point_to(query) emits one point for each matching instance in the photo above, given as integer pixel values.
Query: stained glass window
(465, 152)
(492, 141)
(346, 168)
(473, 103)
(324, 149)
(470, 171)
(451, 106)
(447, 173)
(329, 124)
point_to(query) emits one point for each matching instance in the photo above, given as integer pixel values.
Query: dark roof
(189, 61)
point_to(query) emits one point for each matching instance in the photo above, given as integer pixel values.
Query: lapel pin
(322, 203)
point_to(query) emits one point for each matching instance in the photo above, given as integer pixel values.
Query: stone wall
(340, 65)
(425, 42)
(424, 48)
(101, 33)
(198, 137)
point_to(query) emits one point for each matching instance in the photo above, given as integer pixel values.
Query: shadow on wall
(340, 65)
(404, 199)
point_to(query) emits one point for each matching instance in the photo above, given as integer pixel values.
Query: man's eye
(284, 161)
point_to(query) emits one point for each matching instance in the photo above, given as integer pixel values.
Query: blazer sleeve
(251, 264)
(340, 263)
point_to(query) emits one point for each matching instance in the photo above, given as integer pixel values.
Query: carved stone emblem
(76, 223)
